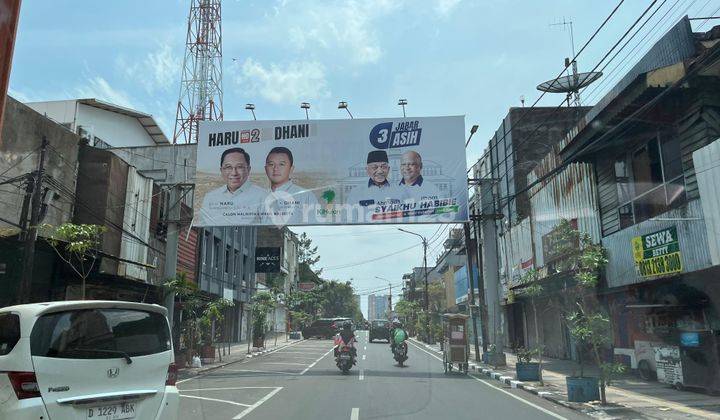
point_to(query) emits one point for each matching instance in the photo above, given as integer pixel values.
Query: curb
(509, 380)
(204, 370)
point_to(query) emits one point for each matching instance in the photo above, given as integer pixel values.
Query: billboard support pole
(470, 245)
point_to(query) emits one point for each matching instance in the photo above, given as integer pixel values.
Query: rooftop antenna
(572, 83)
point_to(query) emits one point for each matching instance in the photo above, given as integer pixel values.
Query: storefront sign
(267, 260)
(658, 253)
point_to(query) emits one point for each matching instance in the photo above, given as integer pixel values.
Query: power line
(355, 264)
(545, 121)
(19, 161)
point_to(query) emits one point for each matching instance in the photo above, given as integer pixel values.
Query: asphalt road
(302, 382)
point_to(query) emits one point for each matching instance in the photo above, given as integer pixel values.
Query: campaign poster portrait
(331, 172)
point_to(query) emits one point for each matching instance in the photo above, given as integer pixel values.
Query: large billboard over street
(325, 172)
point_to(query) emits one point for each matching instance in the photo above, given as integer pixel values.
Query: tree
(307, 253)
(589, 322)
(77, 246)
(262, 303)
(408, 311)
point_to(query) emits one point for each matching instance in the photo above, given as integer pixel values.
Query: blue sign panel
(690, 339)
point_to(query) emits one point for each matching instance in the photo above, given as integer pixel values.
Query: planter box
(207, 352)
(527, 371)
(582, 389)
(259, 342)
(494, 359)
(180, 360)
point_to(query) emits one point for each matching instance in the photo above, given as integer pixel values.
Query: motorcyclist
(346, 337)
(394, 324)
(398, 336)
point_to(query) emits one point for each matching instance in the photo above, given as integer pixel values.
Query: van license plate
(112, 412)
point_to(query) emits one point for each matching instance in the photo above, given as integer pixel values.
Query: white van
(86, 360)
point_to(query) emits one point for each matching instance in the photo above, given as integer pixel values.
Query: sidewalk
(237, 353)
(628, 396)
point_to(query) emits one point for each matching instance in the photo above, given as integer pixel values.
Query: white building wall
(62, 112)
(115, 129)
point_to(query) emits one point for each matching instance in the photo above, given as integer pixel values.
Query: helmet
(347, 325)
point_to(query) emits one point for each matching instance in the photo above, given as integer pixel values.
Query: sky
(446, 57)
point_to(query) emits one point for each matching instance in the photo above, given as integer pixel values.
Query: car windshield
(99, 333)
(492, 209)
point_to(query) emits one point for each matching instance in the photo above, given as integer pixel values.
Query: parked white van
(86, 360)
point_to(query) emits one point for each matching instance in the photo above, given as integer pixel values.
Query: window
(100, 334)
(9, 332)
(649, 180)
(227, 258)
(217, 251)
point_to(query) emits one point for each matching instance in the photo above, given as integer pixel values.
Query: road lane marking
(362, 374)
(238, 362)
(363, 357)
(364, 347)
(315, 362)
(285, 363)
(546, 411)
(227, 389)
(215, 400)
(260, 371)
(257, 404)
(355, 413)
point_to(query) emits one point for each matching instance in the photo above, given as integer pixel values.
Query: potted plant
(525, 368)
(494, 357)
(589, 323)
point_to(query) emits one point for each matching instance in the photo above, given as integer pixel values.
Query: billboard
(658, 253)
(324, 172)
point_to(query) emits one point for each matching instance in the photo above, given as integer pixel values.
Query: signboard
(690, 339)
(462, 284)
(552, 244)
(658, 253)
(322, 172)
(267, 260)
(669, 367)
(306, 287)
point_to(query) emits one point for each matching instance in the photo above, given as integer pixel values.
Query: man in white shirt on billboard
(238, 201)
(413, 182)
(378, 191)
(287, 203)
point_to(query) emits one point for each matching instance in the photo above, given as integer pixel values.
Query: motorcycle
(344, 359)
(400, 353)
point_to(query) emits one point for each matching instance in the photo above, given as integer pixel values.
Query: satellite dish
(569, 83)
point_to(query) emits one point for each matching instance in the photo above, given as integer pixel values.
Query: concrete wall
(22, 133)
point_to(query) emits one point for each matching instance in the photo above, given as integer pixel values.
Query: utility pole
(471, 276)
(427, 306)
(31, 233)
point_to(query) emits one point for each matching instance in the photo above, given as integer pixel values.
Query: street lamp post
(305, 106)
(344, 105)
(427, 311)
(251, 108)
(389, 293)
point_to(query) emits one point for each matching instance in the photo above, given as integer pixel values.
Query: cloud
(446, 7)
(99, 88)
(290, 83)
(348, 29)
(159, 70)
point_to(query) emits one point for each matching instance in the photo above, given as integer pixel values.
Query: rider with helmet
(346, 337)
(397, 334)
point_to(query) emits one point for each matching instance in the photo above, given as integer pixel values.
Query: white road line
(362, 374)
(355, 413)
(260, 371)
(257, 404)
(364, 347)
(227, 389)
(215, 400)
(548, 412)
(240, 362)
(363, 357)
(284, 363)
(315, 362)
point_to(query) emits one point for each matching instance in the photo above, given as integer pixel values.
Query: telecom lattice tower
(201, 94)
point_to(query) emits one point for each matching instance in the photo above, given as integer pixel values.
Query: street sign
(267, 260)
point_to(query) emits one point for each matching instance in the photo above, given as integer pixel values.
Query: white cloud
(348, 29)
(290, 83)
(99, 88)
(445, 7)
(159, 70)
